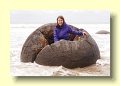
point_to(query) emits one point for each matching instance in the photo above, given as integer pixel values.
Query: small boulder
(103, 32)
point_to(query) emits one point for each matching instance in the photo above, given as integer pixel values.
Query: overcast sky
(72, 16)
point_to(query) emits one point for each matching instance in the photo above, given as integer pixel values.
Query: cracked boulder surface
(80, 51)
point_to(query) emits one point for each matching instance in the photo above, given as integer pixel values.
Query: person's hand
(84, 33)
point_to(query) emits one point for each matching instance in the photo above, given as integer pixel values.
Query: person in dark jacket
(62, 30)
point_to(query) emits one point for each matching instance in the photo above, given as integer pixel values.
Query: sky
(50, 16)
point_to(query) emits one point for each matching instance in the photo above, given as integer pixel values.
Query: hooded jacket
(63, 31)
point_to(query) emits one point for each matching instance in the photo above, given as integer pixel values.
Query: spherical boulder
(80, 51)
(103, 32)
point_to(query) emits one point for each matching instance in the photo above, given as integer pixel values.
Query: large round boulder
(80, 51)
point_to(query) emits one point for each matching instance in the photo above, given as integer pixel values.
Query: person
(62, 30)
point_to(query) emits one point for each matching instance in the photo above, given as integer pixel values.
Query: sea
(20, 32)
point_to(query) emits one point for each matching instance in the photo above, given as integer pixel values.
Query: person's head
(60, 21)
